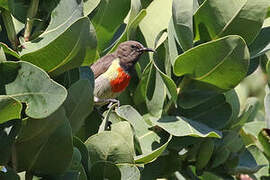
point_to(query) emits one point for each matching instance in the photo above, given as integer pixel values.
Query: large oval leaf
(157, 19)
(222, 63)
(125, 130)
(64, 41)
(58, 47)
(89, 6)
(151, 143)
(45, 146)
(30, 84)
(79, 103)
(215, 112)
(241, 17)
(109, 146)
(181, 126)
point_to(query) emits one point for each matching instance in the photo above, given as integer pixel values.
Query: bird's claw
(112, 102)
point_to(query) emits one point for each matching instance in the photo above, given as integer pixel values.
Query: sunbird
(113, 71)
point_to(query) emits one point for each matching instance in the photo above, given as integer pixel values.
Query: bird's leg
(105, 101)
(112, 101)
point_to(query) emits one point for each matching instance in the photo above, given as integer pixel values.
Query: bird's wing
(102, 64)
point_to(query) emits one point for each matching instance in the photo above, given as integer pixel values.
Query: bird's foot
(112, 102)
(101, 102)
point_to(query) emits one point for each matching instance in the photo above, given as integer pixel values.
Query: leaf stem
(32, 11)
(105, 123)
(10, 28)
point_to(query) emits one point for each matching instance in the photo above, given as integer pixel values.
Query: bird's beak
(144, 49)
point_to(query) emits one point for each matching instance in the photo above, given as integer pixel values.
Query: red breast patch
(121, 81)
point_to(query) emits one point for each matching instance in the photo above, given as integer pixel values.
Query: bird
(112, 72)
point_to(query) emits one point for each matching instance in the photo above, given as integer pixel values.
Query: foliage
(187, 113)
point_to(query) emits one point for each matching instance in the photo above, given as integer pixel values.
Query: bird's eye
(133, 47)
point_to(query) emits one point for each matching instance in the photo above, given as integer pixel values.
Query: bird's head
(129, 53)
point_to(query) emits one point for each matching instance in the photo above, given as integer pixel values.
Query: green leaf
(2, 55)
(261, 160)
(182, 13)
(107, 18)
(50, 150)
(4, 4)
(160, 67)
(105, 124)
(132, 22)
(156, 89)
(247, 164)
(91, 125)
(172, 124)
(82, 173)
(193, 93)
(125, 130)
(31, 85)
(220, 156)
(230, 139)
(8, 50)
(205, 153)
(60, 40)
(232, 99)
(90, 45)
(79, 103)
(262, 43)
(172, 42)
(151, 143)
(223, 69)
(215, 112)
(253, 128)
(89, 6)
(248, 114)
(68, 78)
(105, 170)
(63, 45)
(158, 14)
(10, 108)
(146, 158)
(161, 167)
(76, 159)
(229, 17)
(264, 140)
(140, 92)
(130, 29)
(109, 146)
(129, 172)
(84, 153)
(40, 128)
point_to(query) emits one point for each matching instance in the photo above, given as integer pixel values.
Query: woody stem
(32, 11)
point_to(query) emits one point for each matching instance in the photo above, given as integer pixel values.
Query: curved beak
(144, 49)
